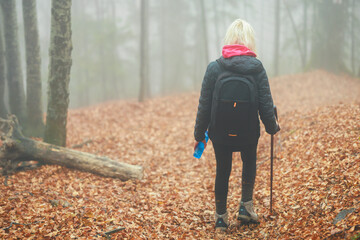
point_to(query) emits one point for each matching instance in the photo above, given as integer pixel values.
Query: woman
(238, 57)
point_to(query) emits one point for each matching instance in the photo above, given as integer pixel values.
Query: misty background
(106, 42)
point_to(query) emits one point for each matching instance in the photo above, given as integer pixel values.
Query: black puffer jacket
(245, 65)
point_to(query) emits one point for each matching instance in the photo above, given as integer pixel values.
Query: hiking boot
(246, 212)
(222, 221)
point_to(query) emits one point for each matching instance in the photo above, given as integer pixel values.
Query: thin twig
(23, 224)
(114, 231)
(108, 233)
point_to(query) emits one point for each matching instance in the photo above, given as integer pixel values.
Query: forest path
(316, 171)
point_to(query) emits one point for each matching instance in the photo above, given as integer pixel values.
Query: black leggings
(223, 156)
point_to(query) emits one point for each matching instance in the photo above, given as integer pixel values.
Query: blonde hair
(240, 32)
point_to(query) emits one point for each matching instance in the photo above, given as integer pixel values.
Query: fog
(106, 42)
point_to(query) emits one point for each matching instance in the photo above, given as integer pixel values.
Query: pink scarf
(229, 51)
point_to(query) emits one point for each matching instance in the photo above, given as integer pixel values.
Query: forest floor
(316, 172)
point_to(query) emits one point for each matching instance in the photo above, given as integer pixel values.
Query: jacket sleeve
(266, 104)
(205, 101)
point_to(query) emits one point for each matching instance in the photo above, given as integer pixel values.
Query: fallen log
(17, 148)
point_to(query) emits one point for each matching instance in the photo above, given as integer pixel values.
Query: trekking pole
(272, 162)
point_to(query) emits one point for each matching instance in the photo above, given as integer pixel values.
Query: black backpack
(234, 111)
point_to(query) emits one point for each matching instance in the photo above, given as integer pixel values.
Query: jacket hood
(241, 64)
(229, 51)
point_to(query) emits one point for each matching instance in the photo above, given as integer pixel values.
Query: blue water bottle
(200, 147)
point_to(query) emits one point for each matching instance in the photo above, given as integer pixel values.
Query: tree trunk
(34, 123)
(13, 63)
(102, 54)
(277, 38)
(116, 80)
(262, 23)
(3, 111)
(17, 148)
(204, 32)
(329, 37)
(305, 39)
(352, 31)
(163, 46)
(144, 77)
(216, 25)
(59, 72)
(297, 35)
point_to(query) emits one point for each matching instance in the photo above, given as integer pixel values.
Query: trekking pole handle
(275, 112)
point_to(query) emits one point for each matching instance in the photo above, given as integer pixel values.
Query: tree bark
(163, 18)
(329, 36)
(297, 35)
(3, 111)
(216, 25)
(34, 123)
(17, 148)
(13, 63)
(277, 38)
(144, 76)
(352, 31)
(59, 72)
(305, 35)
(204, 31)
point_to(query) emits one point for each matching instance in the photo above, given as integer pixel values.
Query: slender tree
(13, 63)
(163, 45)
(352, 32)
(3, 111)
(116, 82)
(35, 123)
(175, 43)
(297, 35)
(204, 31)
(262, 23)
(305, 32)
(328, 48)
(100, 17)
(59, 72)
(143, 49)
(277, 38)
(216, 25)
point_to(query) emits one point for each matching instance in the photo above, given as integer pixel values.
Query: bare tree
(35, 123)
(277, 38)
(164, 45)
(204, 31)
(216, 25)
(13, 63)
(352, 32)
(328, 49)
(144, 49)
(59, 72)
(305, 32)
(3, 111)
(297, 36)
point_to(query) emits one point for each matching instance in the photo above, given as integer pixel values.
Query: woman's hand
(197, 143)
